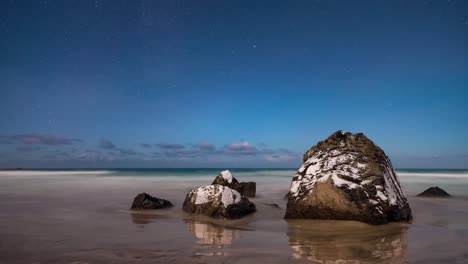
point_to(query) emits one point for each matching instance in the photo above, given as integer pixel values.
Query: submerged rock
(225, 178)
(434, 192)
(146, 201)
(272, 205)
(217, 201)
(347, 177)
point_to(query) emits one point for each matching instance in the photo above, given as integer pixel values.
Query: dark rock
(225, 178)
(434, 192)
(347, 177)
(217, 201)
(146, 201)
(248, 189)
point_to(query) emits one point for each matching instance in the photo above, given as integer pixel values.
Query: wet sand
(85, 219)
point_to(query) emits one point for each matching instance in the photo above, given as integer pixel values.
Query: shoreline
(86, 219)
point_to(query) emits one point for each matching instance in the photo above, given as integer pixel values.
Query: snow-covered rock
(245, 188)
(347, 177)
(217, 201)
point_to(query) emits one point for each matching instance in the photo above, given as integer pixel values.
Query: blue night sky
(113, 83)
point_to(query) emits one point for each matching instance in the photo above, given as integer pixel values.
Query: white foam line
(441, 175)
(51, 173)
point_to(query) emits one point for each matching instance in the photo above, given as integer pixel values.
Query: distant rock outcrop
(225, 178)
(217, 201)
(146, 201)
(347, 177)
(434, 192)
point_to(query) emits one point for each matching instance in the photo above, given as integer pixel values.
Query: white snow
(381, 196)
(226, 174)
(203, 194)
(340, 182)
(361, 165)
(313, 168)
(230, 196)
(294, 187)
(209, 193)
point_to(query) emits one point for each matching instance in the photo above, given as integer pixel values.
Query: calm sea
(455, 181)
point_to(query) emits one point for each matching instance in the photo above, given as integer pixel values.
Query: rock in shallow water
(146, 201)
(217, 201)
(434, 192)
(225, 178)
(347, 177)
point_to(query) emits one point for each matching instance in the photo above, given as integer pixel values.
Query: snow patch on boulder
(227, 175)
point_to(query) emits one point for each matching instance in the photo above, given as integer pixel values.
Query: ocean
(83, 216)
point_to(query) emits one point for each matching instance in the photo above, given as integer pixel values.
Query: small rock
(146, 201)
(434, 192)
(248, 188)
(225, 178)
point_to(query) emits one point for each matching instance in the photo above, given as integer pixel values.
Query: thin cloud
(279, 158)
(169, 146)
(106, 144)
(127, 152)
(205, 146)
(41, 139)
(243, 147)
(27, 148)
(145, 145)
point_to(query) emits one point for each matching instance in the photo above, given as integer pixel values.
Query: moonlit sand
(84, 217)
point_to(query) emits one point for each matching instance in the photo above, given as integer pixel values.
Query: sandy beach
(61, 217)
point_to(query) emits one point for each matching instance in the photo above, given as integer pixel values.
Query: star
(254, 46)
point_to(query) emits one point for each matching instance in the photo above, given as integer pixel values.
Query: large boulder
(217, 201)
(146, 201)
(434, 192)
(347, 177)
(225, 178)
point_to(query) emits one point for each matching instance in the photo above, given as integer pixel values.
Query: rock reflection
(213, 238)
(145, 218)
(347, 242)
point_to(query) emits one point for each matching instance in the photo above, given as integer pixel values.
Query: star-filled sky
(141, 83)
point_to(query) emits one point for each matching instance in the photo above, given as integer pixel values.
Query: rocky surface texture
(225, 178)
(217, 201)
(434, 192)
(347, 177)
(146, 201)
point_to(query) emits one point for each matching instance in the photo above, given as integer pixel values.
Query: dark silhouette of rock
(225, 178)
(434, 192)
(217, 201)
(347, 177)
(248, 189)
(146, 201)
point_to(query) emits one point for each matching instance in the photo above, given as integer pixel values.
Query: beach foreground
(84, 217)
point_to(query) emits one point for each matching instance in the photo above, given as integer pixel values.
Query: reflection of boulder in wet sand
(143, 219)
(347, 242)
(210, 234)
(347, 177)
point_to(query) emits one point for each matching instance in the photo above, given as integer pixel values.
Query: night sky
(94, 83)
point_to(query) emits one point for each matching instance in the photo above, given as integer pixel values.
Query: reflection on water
(142, 218)
(347, 242)
(212, 238)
